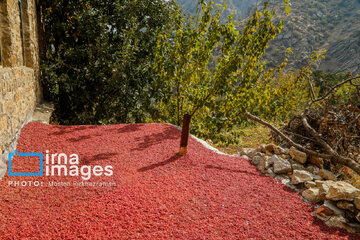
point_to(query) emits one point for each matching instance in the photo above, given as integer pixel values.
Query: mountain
(238, 7)
(312, 25)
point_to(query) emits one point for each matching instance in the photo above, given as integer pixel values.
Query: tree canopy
(99, 58)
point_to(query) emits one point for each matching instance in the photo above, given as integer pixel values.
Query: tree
(99, 58)
(219, 95)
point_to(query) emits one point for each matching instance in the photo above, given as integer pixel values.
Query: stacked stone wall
(19, 71)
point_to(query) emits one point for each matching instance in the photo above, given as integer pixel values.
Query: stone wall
(19, 71)
(338, 201)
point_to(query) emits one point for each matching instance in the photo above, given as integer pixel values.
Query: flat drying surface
(158, 194)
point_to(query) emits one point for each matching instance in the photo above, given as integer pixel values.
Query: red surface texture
(158, 194)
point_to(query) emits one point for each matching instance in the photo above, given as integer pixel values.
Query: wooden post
(185, 132)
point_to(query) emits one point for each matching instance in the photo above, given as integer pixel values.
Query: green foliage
(326, 80)
(98, 66)
(238, 81)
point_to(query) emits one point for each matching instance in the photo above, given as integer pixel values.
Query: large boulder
(297, 155)
(281, 165)
(337, 191)
(301, 176)
(312, 195)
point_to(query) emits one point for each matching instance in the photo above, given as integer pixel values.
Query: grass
(250, 137)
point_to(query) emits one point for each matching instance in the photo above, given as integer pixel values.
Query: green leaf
(287, 9)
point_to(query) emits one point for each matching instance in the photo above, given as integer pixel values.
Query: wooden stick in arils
(185, 132)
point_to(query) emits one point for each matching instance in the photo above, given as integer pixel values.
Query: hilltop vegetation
(238, 7)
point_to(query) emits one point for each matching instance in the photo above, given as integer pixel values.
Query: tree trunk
(185, 132)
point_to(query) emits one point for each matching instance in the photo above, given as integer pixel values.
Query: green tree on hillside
(215, 98)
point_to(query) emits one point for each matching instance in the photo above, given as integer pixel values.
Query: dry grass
(251, 137)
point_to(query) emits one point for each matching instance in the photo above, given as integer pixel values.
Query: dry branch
(287, 139)
(331, 154)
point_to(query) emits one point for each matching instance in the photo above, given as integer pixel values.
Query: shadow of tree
(98, 157)
(126, 129)
(69, 129)
(156, 138)
(78, 139)
(160, 164)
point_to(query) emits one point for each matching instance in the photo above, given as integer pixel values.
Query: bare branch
(287, 139)
(331, 90)
(331, 154)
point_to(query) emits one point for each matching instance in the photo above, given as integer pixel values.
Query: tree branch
(330, 91)
(331, 154)
(287, 139)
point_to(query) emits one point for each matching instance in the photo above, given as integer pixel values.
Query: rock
(3, 169)
(246, 151)
(340, 191)
(261, 148)
(279, 150)
(281, 165)
(358, 217)
(327, 211)
(272, 159)
(355, 226)
(267, 153)
(313, 169)
(301, 176)
(332, 206)
(262, 164)
(340, 222)
(317, 161)
(269, 172)
(256, 160)
(324, 187)
(254, 153)
(297, 166)
(312, 195)
(285, 156)
(319, 183)
(285, 181)
(269, 148)
(357, 202)
(245, 157)
(310, 184)
(317, 177)
(298, 155)
(326, 174)
(346, 205)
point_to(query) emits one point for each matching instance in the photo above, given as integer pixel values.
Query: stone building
(19, 69)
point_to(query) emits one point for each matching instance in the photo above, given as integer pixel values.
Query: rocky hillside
(312, 25)
(333, 25)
